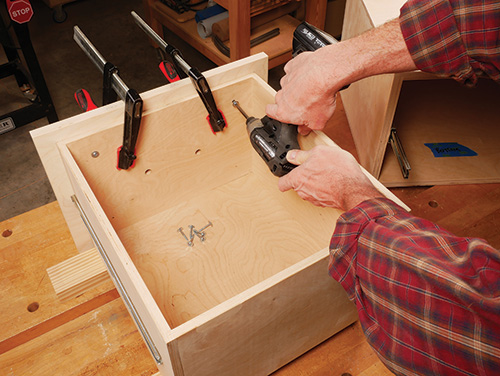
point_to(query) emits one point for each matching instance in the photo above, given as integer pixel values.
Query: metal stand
(32, 77)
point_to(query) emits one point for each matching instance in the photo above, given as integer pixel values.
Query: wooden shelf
(279, 48)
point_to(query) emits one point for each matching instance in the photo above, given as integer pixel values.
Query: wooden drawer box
(256, 293)
(423, 110)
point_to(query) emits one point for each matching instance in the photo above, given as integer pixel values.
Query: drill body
(272, 139)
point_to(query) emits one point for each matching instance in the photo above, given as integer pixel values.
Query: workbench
(279, 49)
(93, 333)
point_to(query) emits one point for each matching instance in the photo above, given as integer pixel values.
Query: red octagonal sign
(20, 10)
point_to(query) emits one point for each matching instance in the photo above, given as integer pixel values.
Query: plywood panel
(285, 320)
(253, 237)
(369, 103)
(178, 158)
(46, 138)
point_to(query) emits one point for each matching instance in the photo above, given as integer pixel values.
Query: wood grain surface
(91, 334)
(187, 176)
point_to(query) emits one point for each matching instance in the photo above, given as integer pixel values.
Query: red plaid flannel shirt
(458, 38)
(428, 301)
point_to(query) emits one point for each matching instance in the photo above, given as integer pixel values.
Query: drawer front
(268, 325)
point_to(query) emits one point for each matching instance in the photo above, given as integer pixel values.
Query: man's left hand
(328, 176)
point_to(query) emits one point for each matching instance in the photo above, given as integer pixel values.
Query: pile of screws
(192, 232)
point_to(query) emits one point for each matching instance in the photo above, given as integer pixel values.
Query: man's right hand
(306, 97)
(312, 79)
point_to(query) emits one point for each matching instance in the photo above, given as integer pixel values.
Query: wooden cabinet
(279, 48)
(253, 295)
(423, 110)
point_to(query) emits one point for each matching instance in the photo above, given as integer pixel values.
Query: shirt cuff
(434, 40)
(344, 242)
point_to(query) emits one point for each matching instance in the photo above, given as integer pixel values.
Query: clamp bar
(112, 85)
(215, 117)
(133, 117)
(173, 53)
(117, 83)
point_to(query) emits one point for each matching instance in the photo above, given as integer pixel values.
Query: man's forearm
(307, 95)
(377, 51)
(423, 294)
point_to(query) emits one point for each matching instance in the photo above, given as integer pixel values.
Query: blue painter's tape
(208, 12)
(450, 149)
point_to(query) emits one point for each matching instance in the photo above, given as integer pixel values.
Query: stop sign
(20, 10)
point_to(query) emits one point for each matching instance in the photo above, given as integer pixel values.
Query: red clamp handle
(84, 100)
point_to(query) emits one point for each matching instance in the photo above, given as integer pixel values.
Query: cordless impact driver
(271, 139)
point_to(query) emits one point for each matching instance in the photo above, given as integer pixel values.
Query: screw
(203, 228)
(95, 154)
(191, 235)
(237, 105)
(190, 243)
(200, 234)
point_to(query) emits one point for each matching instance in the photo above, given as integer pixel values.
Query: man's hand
(328, 176)
(312, 79)
(306, 98)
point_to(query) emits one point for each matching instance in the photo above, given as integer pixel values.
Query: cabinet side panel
(46, 140)
(356, 19)
(369, 103)
(269, 329)
(383, 11)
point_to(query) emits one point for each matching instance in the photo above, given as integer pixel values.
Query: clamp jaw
(113, 86)
(133, 115)
(215, 117)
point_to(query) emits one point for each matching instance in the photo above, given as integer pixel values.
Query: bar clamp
(215, 117)
(113, 86)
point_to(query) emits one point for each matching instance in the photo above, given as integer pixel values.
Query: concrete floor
(111, 29)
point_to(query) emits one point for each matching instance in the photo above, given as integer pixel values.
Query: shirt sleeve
(428, 301)
(454, 38)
